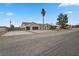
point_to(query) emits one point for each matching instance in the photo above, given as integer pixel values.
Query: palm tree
(43, 12)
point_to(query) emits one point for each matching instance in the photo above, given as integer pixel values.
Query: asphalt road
(46, 44)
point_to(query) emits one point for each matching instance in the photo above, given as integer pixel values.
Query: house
(3, 29)
(34, 26)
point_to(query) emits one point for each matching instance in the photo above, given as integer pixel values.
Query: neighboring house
(3, 29)
(34, 26)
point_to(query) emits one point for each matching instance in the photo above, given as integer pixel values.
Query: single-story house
(3, 29)
(34, 26)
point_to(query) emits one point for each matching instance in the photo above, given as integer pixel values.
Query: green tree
(43, 12)
(62, 20)
(11, 27)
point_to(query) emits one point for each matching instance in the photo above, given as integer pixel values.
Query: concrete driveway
(40, 31)
(47, 44)
(14, 33)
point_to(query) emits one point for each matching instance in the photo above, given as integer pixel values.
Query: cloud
(31, 18)
(9, 13)
(8, 4)
(8, 19)
(68, 4)
(1, 12)
(69, 12)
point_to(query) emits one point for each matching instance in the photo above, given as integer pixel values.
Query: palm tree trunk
(43, 22)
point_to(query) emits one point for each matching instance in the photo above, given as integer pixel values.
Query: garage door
(35, 28)
(27, 28)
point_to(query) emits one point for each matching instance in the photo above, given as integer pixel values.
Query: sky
(31, 12)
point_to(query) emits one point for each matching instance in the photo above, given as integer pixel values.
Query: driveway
(40, 31)
(14, 33)
(57, 43)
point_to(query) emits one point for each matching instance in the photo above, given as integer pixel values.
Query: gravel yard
(50, 43)
(14, 33)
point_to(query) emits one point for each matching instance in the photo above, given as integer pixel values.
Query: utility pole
(10, 22)
(43, 23)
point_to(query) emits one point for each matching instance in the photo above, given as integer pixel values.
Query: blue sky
(31, 12)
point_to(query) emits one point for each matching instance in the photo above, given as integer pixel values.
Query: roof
(25, 23)
(28, 23)
(3, 27)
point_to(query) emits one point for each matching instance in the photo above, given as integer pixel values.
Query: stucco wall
(40, 26)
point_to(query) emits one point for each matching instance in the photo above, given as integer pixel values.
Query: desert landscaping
(39, 29)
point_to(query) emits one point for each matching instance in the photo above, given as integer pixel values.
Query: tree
(43, 12)
(11, 27)
(62, 20)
